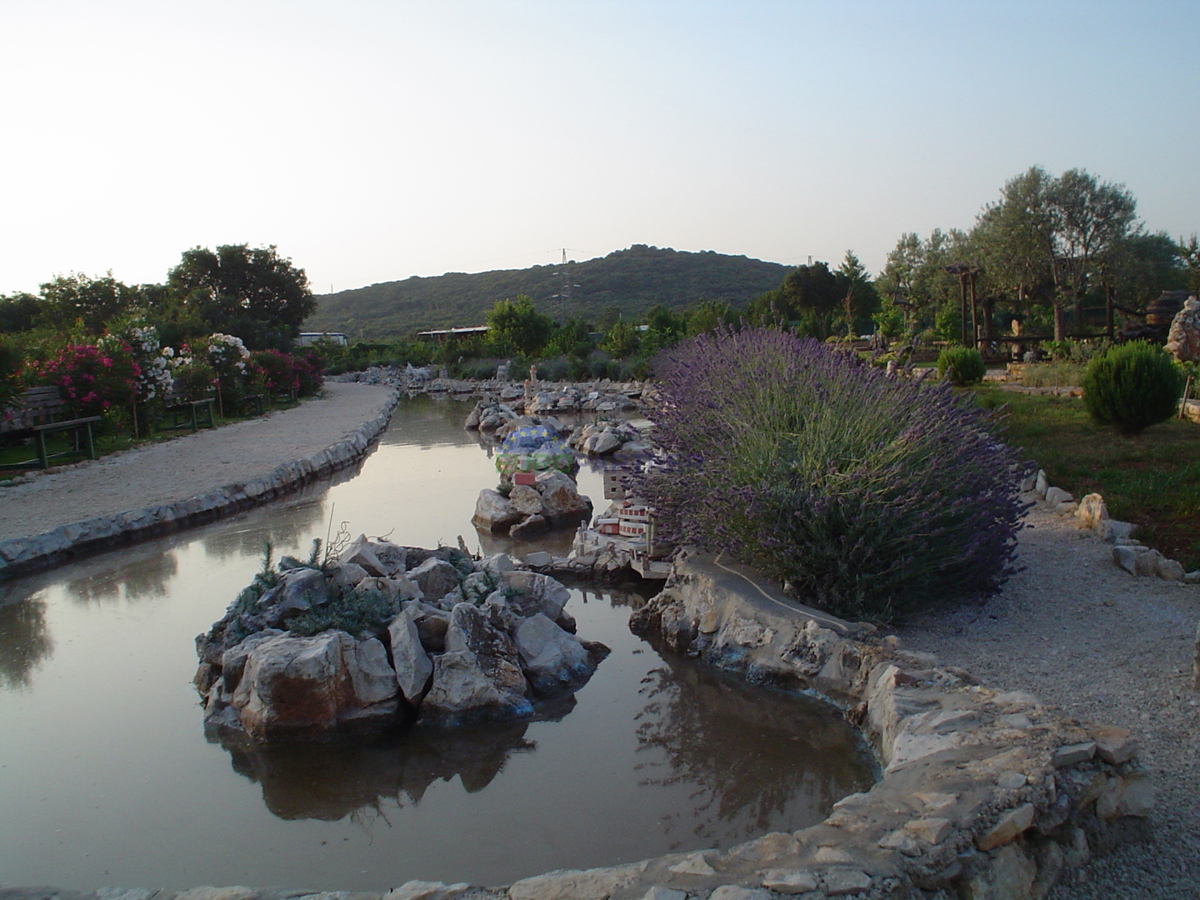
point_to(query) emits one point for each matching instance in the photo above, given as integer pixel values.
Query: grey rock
(413, 667)
(526, 500)
(435, 577)
(494, 512)
(536, 593)
(552, 659)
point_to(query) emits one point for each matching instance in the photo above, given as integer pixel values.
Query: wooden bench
(251, 402)
(43, 411)
(188, 413)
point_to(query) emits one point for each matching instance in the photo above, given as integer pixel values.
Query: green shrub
(357, 613)
(864, 494)
(1132, 387)
(962, 365)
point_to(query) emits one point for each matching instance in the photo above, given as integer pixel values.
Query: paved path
(187, 466)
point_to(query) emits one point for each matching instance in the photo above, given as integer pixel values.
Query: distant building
(452, 333)
(308, 338)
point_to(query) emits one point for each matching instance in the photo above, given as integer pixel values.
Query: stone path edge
(21, 556)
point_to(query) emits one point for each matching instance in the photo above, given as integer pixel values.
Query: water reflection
(144, 578)
(748, 758)
(24, 642)
(356, 779)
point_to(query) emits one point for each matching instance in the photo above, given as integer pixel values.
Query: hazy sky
(371, 141)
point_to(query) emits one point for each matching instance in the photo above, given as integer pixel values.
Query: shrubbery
(961, 365)
(866, 495)
(1132, 387)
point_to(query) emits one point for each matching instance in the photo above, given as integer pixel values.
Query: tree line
(253, 293)
(1059, 255)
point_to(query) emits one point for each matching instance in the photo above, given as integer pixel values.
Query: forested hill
(626, 281)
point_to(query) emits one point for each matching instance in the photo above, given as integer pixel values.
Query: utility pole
(564, 293)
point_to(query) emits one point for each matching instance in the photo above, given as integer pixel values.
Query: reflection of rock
(704, 725)
(332, 781)
(388, 634)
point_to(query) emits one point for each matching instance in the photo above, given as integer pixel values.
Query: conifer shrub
(961, 365)
(864, 495)
(1132, 387)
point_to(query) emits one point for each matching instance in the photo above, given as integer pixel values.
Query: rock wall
(20, 556)
(983, 795)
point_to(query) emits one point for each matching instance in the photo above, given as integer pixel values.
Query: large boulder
(561, 499)
(435, 577)
(413, 667)
(1183, 340)
(534, 593)
(553, 660)
(306, 687)
(494, 512)
(478, 678)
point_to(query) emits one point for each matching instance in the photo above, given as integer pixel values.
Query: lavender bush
(865, 495)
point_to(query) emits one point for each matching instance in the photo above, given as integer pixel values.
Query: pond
(106, 777)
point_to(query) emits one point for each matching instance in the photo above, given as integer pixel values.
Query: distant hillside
(629, 281)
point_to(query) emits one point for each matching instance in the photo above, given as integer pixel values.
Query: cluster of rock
(451, 641)
(552, 501)
(1183, 340)
(983, 794)
(619, 440)
(1091, 512)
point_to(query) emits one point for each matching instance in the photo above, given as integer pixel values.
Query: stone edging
(19, 556)
(983, 794)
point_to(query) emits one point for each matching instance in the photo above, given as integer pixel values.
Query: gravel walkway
(1102, 646)
(189, 465)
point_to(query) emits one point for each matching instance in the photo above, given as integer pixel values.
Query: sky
(370, 141)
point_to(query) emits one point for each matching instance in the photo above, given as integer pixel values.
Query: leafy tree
(1014, 238)
(91, 302)
(253, 293)
(18, 312)
(861, 300)
(622, 340)
(516, 326)
(1091, 219)
(573, 339)
(1142, 266)
(1189, 253)
(704, 316)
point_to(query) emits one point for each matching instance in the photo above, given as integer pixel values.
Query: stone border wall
(983, 795)
(19, 556)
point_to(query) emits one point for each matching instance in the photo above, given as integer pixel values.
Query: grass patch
(1151, 479)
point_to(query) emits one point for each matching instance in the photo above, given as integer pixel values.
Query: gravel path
(189, 465)
(1102, 646)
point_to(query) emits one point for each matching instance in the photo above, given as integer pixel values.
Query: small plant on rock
(1132, 387)
(961, 366)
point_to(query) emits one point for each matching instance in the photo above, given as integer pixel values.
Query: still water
(106, 777)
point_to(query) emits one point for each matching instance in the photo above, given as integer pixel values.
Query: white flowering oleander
(225, 350)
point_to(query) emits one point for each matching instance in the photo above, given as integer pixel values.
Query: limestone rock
(526, 500)
(479, 676)
(1183, 340)
(1092, 511)
(412, 664)
(561, 499)
(435, 577)
(494, 512)
(1056, 496)
(306, 686)
(536, 593)
(552, 659)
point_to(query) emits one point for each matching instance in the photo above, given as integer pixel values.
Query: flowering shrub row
(128, 366)
(863, 494)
